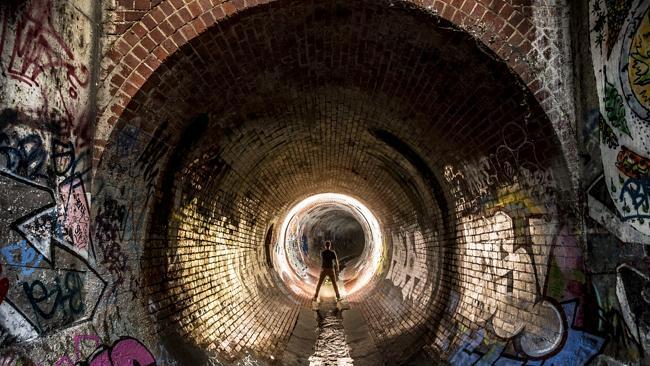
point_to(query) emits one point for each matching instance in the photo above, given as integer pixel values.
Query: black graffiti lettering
(25, 157)
(39, 296)
(110, 222)
(63, 157)
(67, 162)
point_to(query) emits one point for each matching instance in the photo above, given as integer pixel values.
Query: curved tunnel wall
(451, 141)
(331, 98)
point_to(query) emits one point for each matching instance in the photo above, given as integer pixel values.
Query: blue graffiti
(580, 348)
(638, 190)
(28, 258)
(305, 244)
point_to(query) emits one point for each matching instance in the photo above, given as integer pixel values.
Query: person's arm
(336, 259)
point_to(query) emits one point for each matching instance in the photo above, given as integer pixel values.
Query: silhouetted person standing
(329, 268)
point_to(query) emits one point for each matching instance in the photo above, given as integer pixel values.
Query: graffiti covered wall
(618, 229)
(54, 285)
(528, 276)
(621, 54)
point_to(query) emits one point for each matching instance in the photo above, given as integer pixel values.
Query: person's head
(328, 244)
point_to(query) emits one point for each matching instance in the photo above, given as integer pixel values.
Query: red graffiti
(632, 164)
(125, 352)
(39, 47)
(4, 287)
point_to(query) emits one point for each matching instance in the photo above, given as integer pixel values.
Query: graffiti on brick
(409, 269)
(511, 271)
(123, 196)
(513, 163)
(109, 228)
(579, 348)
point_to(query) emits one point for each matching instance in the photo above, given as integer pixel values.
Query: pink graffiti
(570, 262)
(39, 47)
(125, 352)
(78, 340)
(77, 214)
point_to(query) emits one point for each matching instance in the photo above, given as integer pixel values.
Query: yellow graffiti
(639, 62)
(508, 197)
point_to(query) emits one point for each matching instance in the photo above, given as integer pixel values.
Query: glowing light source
(371, 255)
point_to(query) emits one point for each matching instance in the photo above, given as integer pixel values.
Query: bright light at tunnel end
(297, 284)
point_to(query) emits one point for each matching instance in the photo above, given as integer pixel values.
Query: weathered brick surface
(146, 241)
(437, 136)
(505, 27)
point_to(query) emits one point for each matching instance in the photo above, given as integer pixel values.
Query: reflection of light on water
(331, 347)
(247, 360)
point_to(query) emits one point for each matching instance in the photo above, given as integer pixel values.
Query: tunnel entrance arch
(302, 98)
(167, 27)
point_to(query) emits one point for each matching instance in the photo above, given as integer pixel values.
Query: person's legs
(320, 282)
(331, 274)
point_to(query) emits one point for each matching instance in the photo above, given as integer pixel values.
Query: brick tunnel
(285, 101)
(168, 200)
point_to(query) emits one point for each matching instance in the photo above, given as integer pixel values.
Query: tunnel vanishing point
(170, 171)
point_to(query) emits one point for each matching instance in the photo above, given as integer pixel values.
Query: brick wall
(436, 136)
(453, 120)
(508, 29)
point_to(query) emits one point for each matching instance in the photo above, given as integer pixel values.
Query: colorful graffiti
(45, 160)
(29, 257)
(55, 287)
(126, 351)
(619, 200)
(621, 54)
(508, 296)
(80, 342)
(579, 347)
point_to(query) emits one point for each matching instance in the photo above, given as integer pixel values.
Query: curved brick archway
(170, 24)
(219, 131)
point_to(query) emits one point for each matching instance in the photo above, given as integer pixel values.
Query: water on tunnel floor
(331, 348)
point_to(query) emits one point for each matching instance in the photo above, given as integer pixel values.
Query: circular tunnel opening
(353, 230)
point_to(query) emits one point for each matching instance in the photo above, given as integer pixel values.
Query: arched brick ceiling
(296, 98)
